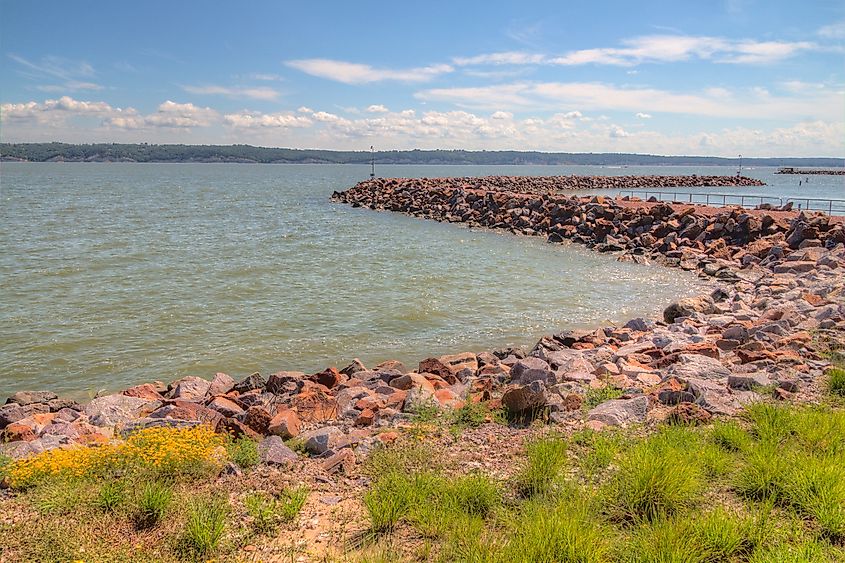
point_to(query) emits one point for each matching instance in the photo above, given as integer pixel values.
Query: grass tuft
(546, 459)
(243, 452)
(205, 526)
(836, 381)
(657, 478)
(152, 505)
(111, 495)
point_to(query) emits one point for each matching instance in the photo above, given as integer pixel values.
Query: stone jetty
(551, 184)
(776, 297)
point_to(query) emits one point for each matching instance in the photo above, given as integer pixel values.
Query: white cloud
(834, 30)
(617, 132)
(255, 120)
(172, 114)
(355, 73)
(715, 102)
(642, 115)
(674, 48)
(257, 93)
(265, 77)
(505, 58)
(571, 130)
(377, 108)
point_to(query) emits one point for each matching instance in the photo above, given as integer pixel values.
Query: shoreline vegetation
(143, 152)
(716, 433)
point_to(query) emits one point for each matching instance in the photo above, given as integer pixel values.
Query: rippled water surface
(115, 274)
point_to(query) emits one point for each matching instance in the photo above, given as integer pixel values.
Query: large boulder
(111, 410)
(190, 388)
(525, 398)
(321, 440)
(696, 366)
(620, 412)
(273, 451)
(687, 306)
(531, 369)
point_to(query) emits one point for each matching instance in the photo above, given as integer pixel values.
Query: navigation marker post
(739, 173)
(372, 163)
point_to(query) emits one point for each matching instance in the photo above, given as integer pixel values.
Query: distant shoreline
(246, 154)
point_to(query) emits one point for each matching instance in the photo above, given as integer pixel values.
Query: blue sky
(762, 78)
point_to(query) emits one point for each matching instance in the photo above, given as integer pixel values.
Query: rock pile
(552, 184)
(778, 279)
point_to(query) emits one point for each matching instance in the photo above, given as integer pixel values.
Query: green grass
(562, 531)
(730, 436)
(111, 496)
(546, 458)
(770, 423)
(471, 415)
(269, 512)
(243, 452)
(152, 504)
(596, 450)
(657, 478)
(836, 381)
(60, 496)
(205, 526)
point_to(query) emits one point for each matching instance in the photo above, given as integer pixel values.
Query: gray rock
(712, 396)
(637, 324)
(531, 369)
(190, 388)
(567, 360)
(688, 306)
(321, 440)
(14, 412)
(220, 385)
(698, 367)
(273, 451)
(748, 381)
(253, 381)
(418, 397)
(620, 412)
(30, 397)
(116, 409)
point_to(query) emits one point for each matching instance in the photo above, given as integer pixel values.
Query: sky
(705, 77)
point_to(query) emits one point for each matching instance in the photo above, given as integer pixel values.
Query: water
(116, 274)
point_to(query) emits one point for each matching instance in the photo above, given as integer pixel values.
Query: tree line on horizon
(144, 152)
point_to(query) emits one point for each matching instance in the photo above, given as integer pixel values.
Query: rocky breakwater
(778, 292)
(551, 184)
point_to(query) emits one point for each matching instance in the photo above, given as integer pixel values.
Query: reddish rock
(16, 432)
(188, 410)
(391, 365)
(572, 402)
(284, 424)
(447, 398)
(366, 418)
(329, 378)
(258, 419)
(342, 460)
(221, 384)
(314, 406)
(371, 402)
(225, 406)
(412, 380)
(388, 437)
(145, 391)
(688, 414)
(435, 366)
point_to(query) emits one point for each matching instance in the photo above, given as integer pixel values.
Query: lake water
(117, 274)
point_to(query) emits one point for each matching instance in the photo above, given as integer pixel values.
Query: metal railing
(829, 206)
